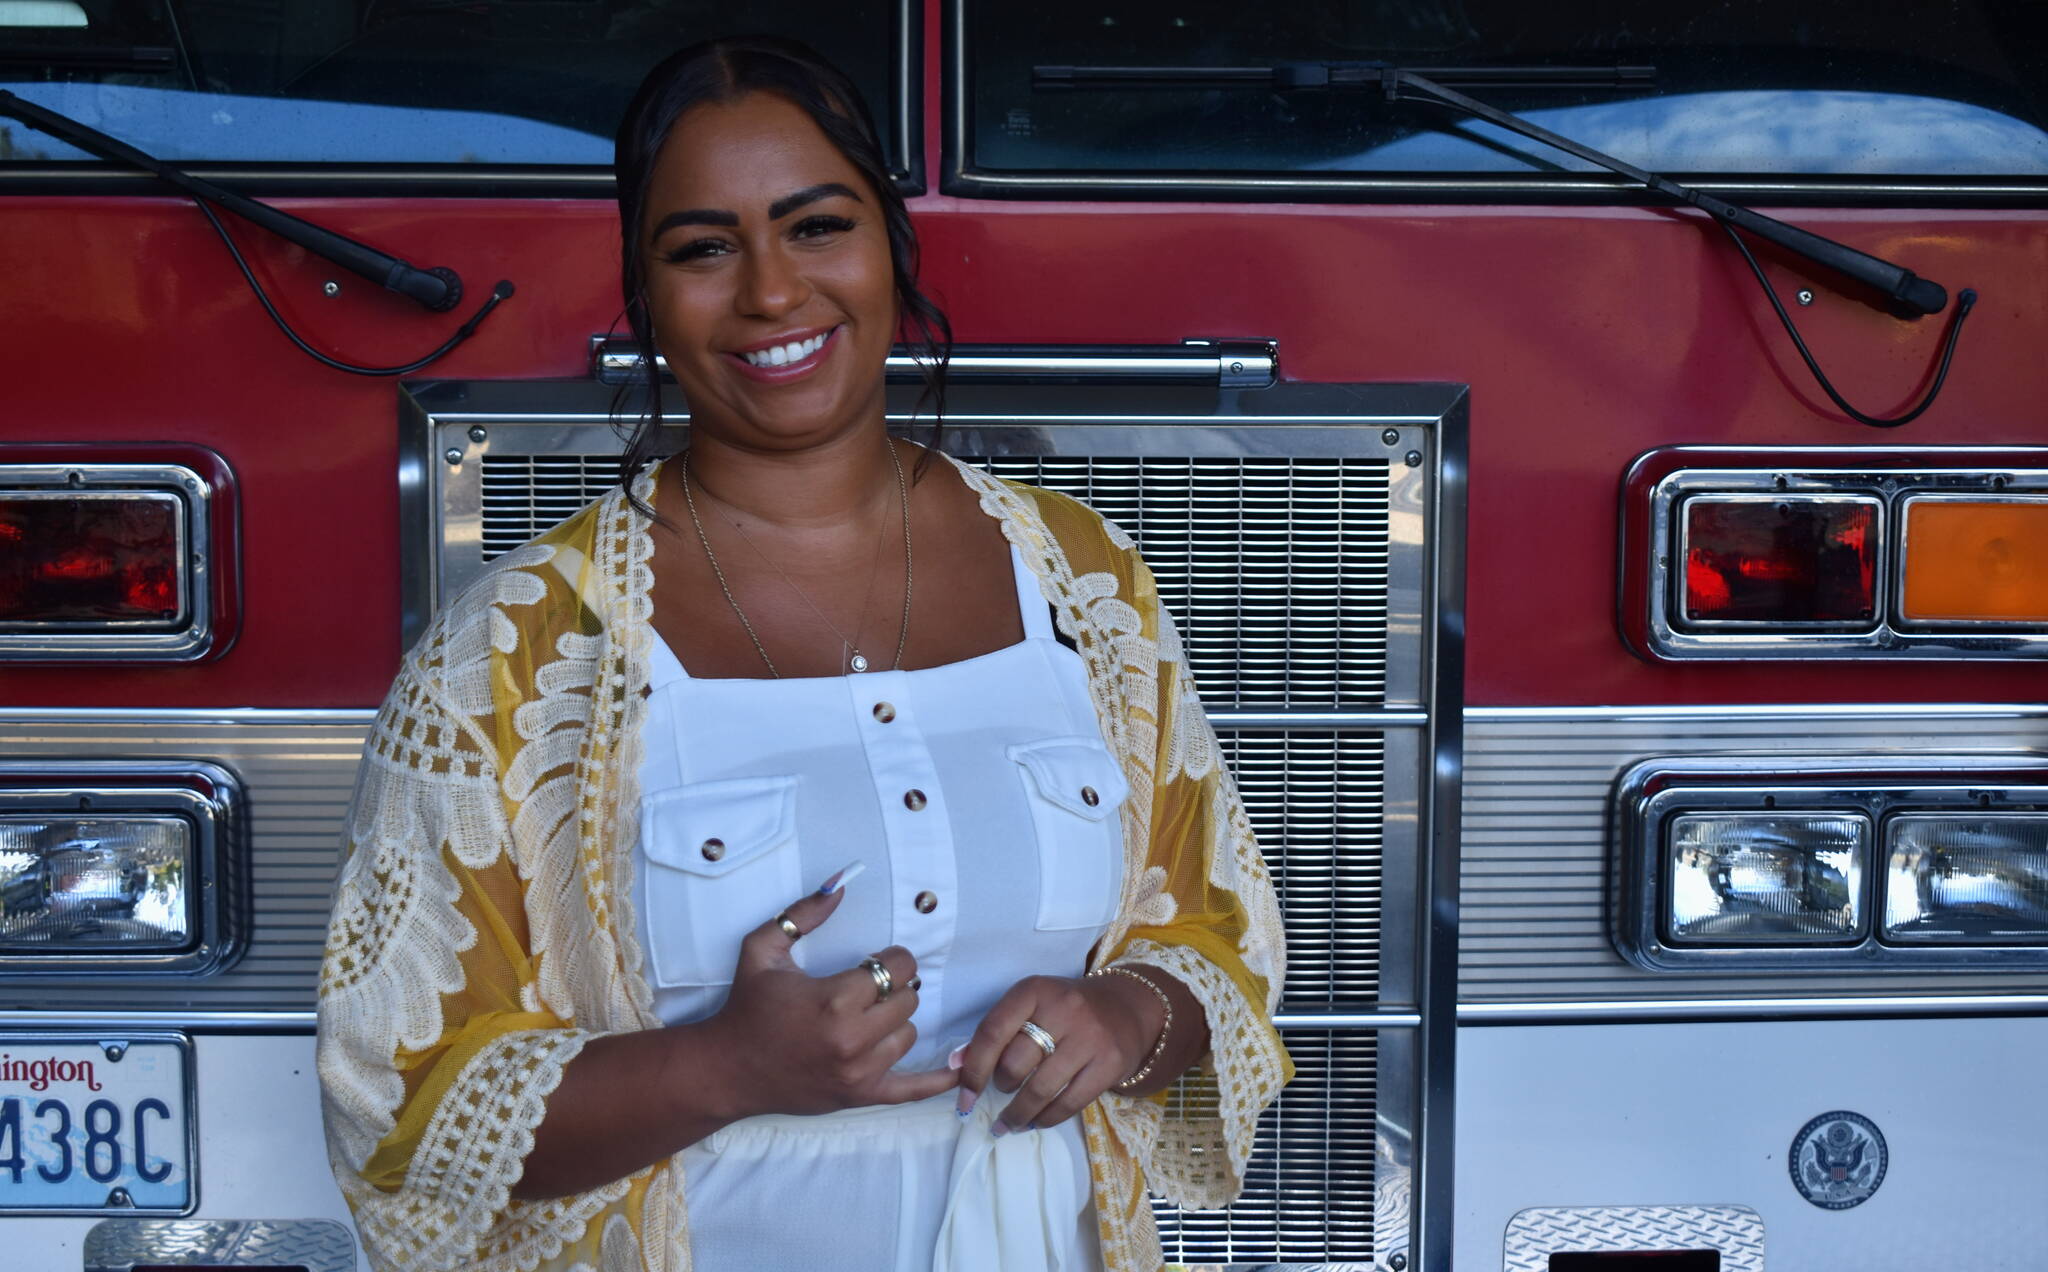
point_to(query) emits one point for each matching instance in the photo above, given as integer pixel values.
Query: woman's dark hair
(723, 71)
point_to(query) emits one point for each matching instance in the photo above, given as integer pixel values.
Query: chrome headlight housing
(119, 867)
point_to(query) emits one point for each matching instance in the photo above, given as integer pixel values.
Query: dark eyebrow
(695, 216)
(789, 203)
(782, 207)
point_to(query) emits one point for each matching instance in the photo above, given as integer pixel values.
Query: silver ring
(788, 925)
(883, 983)
(1039, 1036)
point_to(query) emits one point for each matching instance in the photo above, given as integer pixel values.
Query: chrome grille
(1308, 1187)
(527, 494)
(1274, 566)
(1314, 798)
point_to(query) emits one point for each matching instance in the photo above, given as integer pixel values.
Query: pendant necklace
(857, 660)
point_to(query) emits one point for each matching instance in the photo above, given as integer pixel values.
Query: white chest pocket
(721, 860)
(1075, 790)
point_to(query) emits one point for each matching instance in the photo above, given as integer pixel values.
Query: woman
(582, 1006)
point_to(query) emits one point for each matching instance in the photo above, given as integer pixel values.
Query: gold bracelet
(1159, 1047)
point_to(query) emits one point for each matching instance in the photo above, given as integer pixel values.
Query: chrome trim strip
(189, 1020)
(1693, 1009)
(183, 1045)
(1393, 718)
(1226, 364)
(189, 715)
(192, 640)
(1347, 1020)
(1433, 1113)
(1769, 711)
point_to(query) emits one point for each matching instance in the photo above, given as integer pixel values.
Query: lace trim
(454, 1211)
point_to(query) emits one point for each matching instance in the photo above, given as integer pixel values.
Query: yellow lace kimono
(482, 933)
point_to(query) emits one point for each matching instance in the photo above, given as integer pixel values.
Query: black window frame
(960, 177)
(902, 129)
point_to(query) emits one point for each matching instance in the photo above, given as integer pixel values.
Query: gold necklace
(858, 661)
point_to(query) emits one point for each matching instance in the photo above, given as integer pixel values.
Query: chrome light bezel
(207, 797)
(206, 622)
(1659, 484)
(1651, 793)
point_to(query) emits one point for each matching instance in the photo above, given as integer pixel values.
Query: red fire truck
(1651, 752)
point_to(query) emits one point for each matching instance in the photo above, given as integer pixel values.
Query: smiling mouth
(786, 354)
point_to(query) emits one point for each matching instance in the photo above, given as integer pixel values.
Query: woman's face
(759, 236)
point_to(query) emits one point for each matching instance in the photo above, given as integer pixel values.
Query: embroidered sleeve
(436, 1055)
(1204, 911)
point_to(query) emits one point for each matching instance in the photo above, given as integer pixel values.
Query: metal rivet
(114, 1050)
(453, 455)
(1398, 1262)
(479, 434)
(926, 902)
(913, 799)
(120, 1198)
(1413, 459)
(1089, 797)
(1391, 437)
(713, 849)
(884, 712)
(331, 288)
(1805, 296)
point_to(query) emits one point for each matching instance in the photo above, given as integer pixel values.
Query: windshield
(384, 81)
(1834, 87)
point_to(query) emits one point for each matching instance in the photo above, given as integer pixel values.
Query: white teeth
(782, 355)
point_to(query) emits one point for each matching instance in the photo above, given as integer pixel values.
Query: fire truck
(1596, 453)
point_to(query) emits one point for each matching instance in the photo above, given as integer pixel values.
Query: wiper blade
(437, 289)
(1911, 293)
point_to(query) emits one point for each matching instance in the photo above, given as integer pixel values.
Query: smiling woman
(582, 1005)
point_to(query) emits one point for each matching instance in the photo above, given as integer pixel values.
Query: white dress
(982, 802)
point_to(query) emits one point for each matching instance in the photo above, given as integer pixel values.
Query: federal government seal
(1838, 1160)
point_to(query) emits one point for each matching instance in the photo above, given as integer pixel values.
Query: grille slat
(1308, 1188)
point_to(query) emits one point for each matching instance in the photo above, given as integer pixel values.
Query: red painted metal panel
(1588, 336)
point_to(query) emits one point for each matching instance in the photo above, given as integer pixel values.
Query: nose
(771, 284)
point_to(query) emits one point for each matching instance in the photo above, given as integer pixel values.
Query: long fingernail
(963, 1103)
(998, 1130)
(847, 874)
(954, 1057)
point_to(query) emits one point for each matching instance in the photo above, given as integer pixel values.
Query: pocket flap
(712, 828)
(1075, 773)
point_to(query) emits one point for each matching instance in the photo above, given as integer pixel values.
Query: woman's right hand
(797, 1043)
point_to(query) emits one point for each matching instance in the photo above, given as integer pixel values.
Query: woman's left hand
(1102, 1031)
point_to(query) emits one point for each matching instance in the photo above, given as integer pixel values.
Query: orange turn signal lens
(1976, 560)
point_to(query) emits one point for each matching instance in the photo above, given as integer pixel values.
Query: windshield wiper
(438, 289)
(1911, 295)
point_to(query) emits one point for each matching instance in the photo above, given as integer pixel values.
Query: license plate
(95, 1124)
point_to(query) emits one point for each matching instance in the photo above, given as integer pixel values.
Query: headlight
(100, 883)
(1977, 878)
(1757, 878)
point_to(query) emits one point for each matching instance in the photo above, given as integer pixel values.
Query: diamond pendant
(860, 662)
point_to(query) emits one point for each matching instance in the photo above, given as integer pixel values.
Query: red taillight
(92, 558)
(1765, 559)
